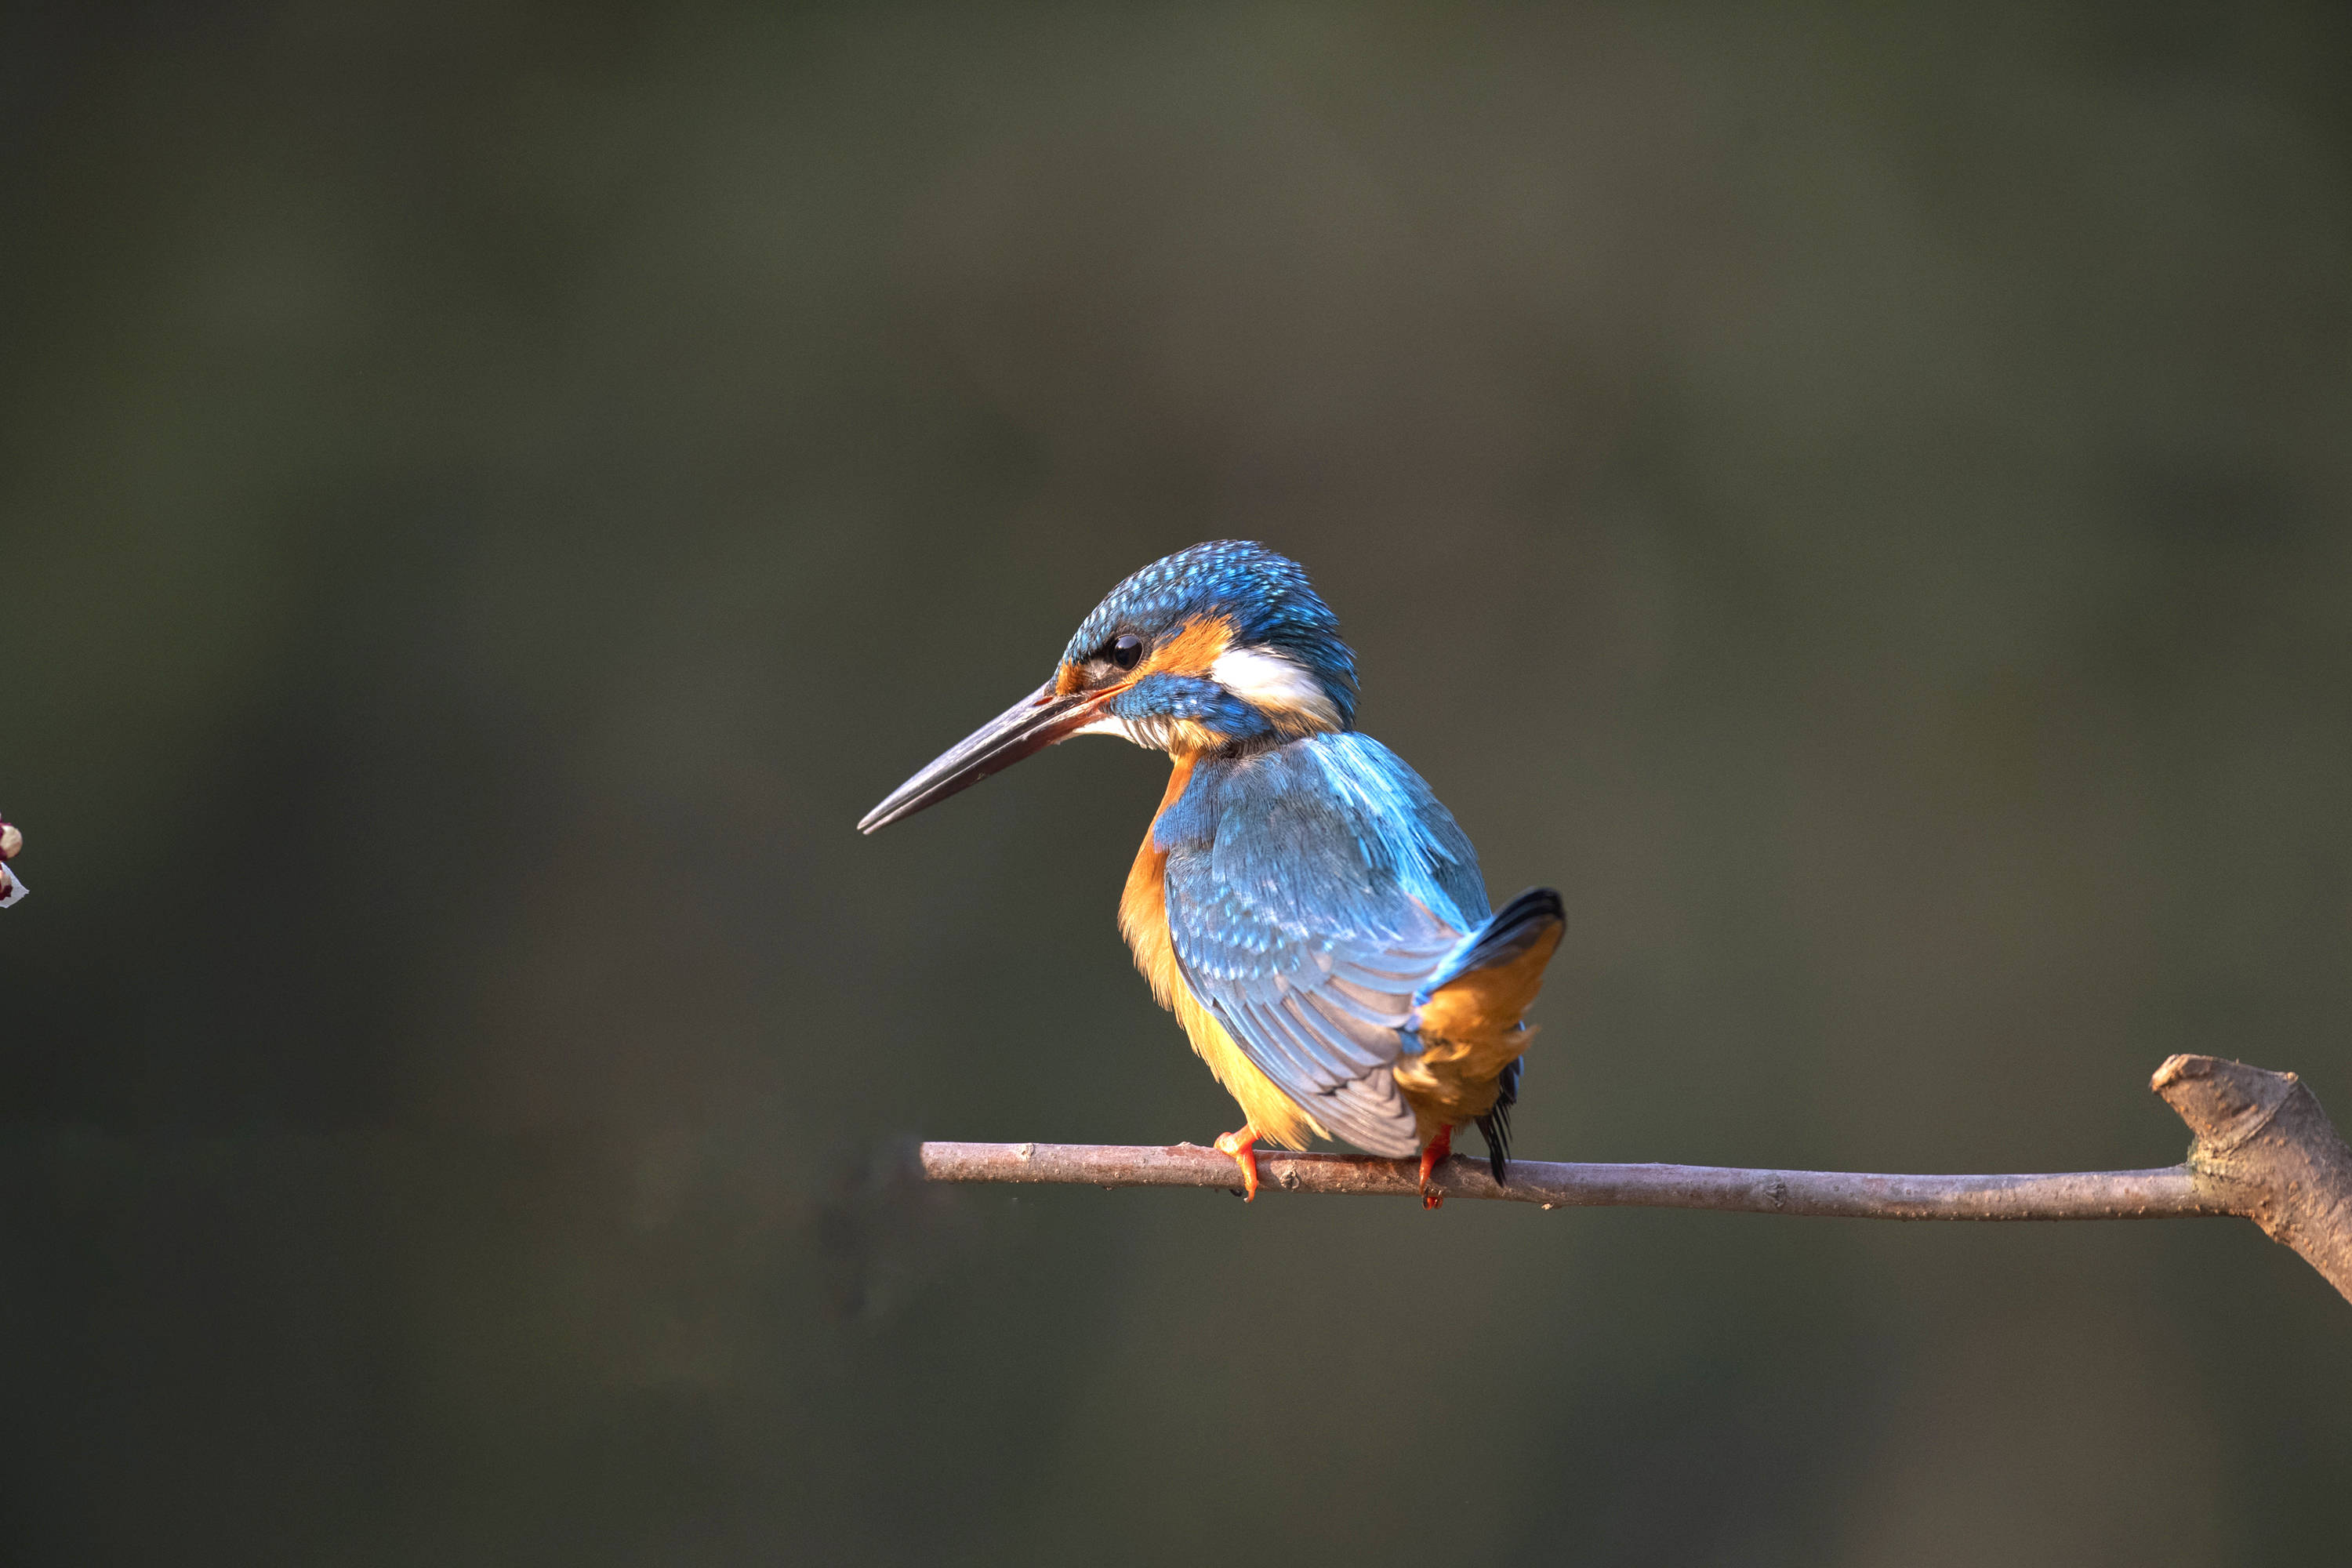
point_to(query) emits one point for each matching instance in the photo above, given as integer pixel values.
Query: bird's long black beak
(1029, 726)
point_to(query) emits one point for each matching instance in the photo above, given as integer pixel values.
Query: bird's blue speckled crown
(1265, 595)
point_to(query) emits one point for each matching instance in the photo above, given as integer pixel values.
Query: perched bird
(1302, 902)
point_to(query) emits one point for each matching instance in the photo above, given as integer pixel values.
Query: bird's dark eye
(1126, 651)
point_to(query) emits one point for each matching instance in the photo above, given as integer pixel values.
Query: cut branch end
(2265, 1149)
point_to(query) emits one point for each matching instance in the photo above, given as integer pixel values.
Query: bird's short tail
(1480, 994)
(1535, 919)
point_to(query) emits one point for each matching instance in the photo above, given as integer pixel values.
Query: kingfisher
(1302, 902)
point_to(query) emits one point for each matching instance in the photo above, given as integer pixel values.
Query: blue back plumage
(1312, 889)
(1331, 826)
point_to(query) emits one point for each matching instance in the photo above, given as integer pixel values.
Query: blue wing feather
(1313, 888)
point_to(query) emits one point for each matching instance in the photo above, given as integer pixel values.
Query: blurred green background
(1856, 496)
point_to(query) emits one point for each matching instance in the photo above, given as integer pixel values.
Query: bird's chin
(1176, 737)
(1143, 732)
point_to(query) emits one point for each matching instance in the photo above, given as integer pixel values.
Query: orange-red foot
(1439, 1148)
(1242, 1147)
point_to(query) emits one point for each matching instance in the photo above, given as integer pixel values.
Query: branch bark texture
(2263, 1149)
(2266, 1151)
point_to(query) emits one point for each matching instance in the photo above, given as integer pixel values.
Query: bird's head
(1221, 645)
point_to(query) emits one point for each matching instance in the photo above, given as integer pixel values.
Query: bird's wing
(1329, 886)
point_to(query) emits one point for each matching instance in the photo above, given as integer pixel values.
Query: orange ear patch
(1193, 649)
(1190, 651)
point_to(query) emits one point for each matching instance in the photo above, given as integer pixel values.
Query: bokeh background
(1855, 495)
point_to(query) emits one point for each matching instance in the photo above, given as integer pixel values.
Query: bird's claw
(1440, 1147)
(1242, 1147)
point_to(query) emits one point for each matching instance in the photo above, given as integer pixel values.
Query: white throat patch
(1111, 724)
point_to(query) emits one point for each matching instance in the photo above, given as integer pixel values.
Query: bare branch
(2264, 1150)
(2165, 1193)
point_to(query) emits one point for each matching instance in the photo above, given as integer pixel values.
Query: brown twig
(2264, 1150)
